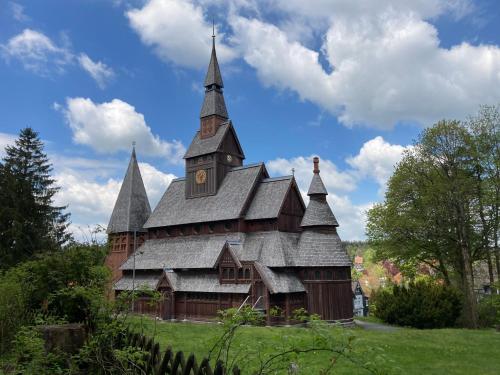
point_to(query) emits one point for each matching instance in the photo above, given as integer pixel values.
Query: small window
(211, 228)
(240, 273)
(197, 229)
(247, 273)
(317, 275)
(329, 275)
(225, 273)
(231, 273)
(228, 226)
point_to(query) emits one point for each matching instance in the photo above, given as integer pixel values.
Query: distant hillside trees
(29, 220)
(442, 203)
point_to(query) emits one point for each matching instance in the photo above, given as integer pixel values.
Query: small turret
(318, 212)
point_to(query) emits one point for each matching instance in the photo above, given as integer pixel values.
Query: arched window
(231, 273)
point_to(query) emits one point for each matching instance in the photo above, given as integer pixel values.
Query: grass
(405, 351)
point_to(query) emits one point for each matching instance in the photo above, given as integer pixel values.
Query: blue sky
(351, 81)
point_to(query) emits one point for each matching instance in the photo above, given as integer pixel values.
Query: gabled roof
(269, 198)
(132, 207)
(318, 213)
(202, 282)
(212, 144)
(178, 253)
(229, 202)
(317, 249)
(279, 282)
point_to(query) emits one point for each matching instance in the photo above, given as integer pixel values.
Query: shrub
(423, 304)
(12, 311)
(489, 311)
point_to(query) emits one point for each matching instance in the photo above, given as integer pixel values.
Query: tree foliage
(29, 221)
(441, 205)
(422, 304)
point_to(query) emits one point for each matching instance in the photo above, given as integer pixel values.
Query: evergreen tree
(29, 222)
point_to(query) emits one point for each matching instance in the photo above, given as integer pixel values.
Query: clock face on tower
(201, 176)
(229, 158)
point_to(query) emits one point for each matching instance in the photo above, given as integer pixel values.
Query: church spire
(213, 110)
(132, 207)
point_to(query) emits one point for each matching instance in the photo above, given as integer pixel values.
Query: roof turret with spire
(132, 207)
(213, 111)
(318, 212)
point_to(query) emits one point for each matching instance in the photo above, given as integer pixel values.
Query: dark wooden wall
(121, 247)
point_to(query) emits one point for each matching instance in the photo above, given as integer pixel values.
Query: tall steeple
(132, 207)
(318, 212)
(213, 111)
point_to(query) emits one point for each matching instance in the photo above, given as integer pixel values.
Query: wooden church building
(228, 234)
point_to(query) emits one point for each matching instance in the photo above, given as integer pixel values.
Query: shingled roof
(202, 282)
(132, 207)
(318, 213)
(213, 103)
(213, 76)
(227, 204)
(209, 145)
(178, 253)
(149, 280)
(279, 282)
(269, 198)
(318, 249)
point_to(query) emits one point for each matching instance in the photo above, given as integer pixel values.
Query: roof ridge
(279, 178)
(253, 165)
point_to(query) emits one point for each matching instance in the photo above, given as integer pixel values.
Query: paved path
(375, 326)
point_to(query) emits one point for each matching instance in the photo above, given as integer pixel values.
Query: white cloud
(112, 126)
(380, 63)
(333, 179)
(351, 217)
(36, 52)
(376, 159)
(178, 32)
(387, 68)
(99, 71)
(6, 140)
(91, 199)
(17, 11)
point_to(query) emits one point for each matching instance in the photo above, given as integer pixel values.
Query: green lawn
(405, 351)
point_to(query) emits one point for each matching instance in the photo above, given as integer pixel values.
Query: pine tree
(29, 221)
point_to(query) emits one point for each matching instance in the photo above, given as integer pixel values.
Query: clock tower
(215, 149)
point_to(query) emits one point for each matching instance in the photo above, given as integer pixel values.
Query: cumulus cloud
(380, 63)
(99, 71)
(36, 52)
(177, 31)
(112, 126)
(351, 217)
(90, 198)
(333, 179)
(376, 159)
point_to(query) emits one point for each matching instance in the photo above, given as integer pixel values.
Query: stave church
(227, 234)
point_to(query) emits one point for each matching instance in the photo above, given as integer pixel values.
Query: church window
(228, 226)
(329, 275)
(240, 273)
(211, 228)
(231, 273)
(197, 229)
(247, 273)
(317, 275)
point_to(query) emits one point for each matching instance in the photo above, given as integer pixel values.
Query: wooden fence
(172, 363)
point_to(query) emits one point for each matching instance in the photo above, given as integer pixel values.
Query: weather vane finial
(213, 28)
(133, 144)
